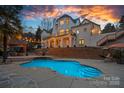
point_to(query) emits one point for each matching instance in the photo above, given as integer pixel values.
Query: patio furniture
(108, 58)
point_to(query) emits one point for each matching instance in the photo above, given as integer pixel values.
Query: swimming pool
(65, 67)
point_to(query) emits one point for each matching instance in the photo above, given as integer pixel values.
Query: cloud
(40, 12)
(102, 13)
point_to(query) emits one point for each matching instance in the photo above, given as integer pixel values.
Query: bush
(118, 56)
(1, 52)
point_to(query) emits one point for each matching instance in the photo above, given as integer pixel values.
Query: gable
(65, 16)
(85, 21)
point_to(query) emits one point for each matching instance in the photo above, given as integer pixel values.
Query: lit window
(67, 31)
(95, 32)
(61, 22)
(77, 31)
(61, 32)
(81, 42)
(99, 32)
(67, 20)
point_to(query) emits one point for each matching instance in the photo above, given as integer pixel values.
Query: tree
(47, 24)
(10, 24)
(109, 28)
(38, 34)
(121, 23)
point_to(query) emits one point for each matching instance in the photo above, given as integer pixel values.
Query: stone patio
(15, 76)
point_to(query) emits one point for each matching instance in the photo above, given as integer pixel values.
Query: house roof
(85, 23)
(66, 15)
(90, 21)
(77, 19)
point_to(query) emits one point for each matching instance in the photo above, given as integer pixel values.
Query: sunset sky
(33, 15)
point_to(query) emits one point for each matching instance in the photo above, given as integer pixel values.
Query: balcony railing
(108, 37)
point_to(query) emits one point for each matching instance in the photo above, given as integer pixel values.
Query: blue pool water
(64, 67)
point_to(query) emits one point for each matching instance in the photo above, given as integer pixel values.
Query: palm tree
(9, 24)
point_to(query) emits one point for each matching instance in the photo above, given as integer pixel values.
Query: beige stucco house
(69, 32)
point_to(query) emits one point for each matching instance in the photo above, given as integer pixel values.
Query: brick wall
(84, 53)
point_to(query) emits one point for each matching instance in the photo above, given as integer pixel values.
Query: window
(61, 32)
(61, 22)
(81, 42)
(85, 29)
(77, 32)
(95, 32)
(67, 31)
(67, 20)
(56, 26)
(99, 32)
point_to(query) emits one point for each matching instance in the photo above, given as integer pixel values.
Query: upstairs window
(61, 32)
(67, 20)
(95, 31)
(61, 22)
(67, 31)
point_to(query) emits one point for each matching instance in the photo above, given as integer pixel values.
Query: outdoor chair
(108, 58)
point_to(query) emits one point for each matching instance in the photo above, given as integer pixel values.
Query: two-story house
(69, 32)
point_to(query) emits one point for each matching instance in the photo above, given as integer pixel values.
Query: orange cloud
(102, 13)
(99, 12)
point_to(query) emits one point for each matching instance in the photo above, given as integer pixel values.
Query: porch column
(54, 43)
(70, 42)
(61, 42)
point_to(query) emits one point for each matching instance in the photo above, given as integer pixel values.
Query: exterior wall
(44, 35)
(65, 26)
(55, 29)
(90, 40)
(85, 33)
(88, 31)
(96, 38)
